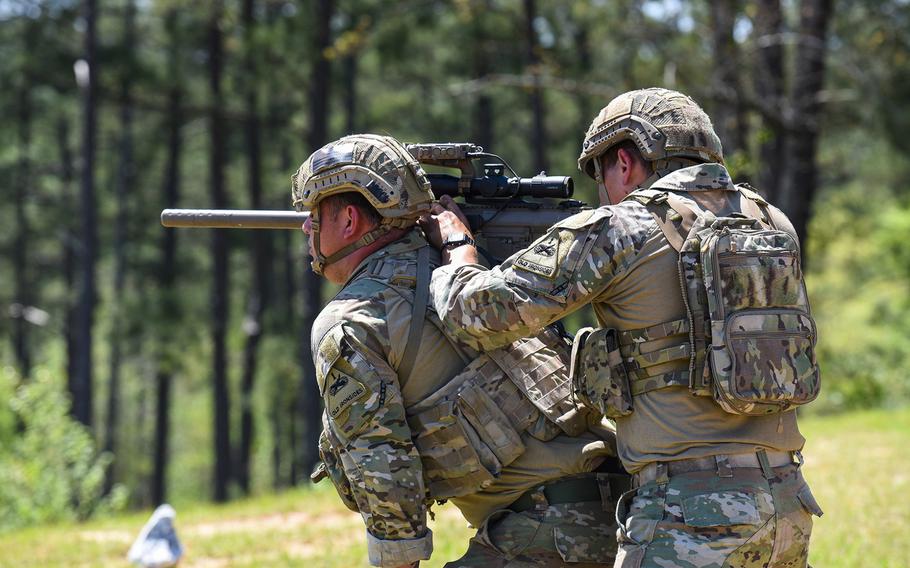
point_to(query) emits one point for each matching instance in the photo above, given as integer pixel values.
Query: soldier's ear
(356, 223)
(628, 166)
(351, 219)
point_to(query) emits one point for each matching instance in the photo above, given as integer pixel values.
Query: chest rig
(748, 337)
(471, 427)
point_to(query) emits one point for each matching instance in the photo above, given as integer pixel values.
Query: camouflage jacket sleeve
(569, 267)
(366, 415)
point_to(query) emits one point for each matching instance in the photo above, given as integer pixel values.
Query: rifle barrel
(232, 219)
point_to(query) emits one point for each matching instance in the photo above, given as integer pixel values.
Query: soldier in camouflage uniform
(412, 416)
(718, 481)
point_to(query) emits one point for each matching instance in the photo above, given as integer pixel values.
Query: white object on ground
(157, 545)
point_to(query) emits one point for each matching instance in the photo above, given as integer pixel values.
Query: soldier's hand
(446, 220)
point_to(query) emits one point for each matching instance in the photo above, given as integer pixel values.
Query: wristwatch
(456, 240)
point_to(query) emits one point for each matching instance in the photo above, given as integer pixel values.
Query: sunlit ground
(858, 466)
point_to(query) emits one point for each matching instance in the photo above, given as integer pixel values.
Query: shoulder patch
(542, 258)
(583, 219)
(343, 391)
(329, 352)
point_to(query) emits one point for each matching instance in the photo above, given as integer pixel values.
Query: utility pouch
(471, 428)
(331, 467)
(464, 439)
(599, 379)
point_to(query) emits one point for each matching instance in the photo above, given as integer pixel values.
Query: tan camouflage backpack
(751, 334)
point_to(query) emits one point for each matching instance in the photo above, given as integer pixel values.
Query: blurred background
(143, 364)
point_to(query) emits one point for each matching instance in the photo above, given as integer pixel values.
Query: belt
(722, 463)
(590, 487)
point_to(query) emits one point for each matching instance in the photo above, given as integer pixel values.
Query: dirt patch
(116, 536)
(277, 522)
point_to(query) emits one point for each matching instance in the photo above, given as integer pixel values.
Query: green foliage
(49, 467)
(859, 284)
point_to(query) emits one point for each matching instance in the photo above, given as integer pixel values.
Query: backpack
(751, 333)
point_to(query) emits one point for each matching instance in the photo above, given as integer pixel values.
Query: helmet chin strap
(320, 261)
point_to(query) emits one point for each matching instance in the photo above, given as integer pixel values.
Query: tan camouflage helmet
(667, 126)
(377, 167)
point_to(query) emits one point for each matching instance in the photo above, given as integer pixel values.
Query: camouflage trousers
(739, 517)
(572, 534)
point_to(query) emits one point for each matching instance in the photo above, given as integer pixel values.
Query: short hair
(339, 201)
(612, 154)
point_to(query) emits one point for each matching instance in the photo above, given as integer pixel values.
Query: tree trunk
(81, 385)
(168, 272)
(349, 66)
(284, 414)
(125, 184)
(69, 245)
(23, 298)
(728, 115)
(631, 15)
(585, 67)
(769, 88)
(220, 258)
(309, 403)
(538, 132)
(807, 84)
(259, 256)
(287, 416)
(483, 111)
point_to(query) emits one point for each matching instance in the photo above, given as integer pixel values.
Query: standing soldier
(412, 416)
(705, 345)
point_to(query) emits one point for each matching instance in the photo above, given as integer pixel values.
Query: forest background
(140, 364)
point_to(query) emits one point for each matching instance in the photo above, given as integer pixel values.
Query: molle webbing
(468, 430)
(542, 377)
(651, 369)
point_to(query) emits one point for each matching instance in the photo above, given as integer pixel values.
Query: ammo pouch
(470, 429)
(599, 379)
(330, 467)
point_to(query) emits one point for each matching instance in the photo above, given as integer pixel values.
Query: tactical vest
(470, 428)
(748, 338)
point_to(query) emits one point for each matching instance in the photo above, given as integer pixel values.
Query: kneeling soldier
(412, 416)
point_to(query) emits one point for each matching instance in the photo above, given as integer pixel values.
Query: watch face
(457, 240)
(454, 238)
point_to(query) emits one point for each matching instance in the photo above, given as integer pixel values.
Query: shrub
(50, 469)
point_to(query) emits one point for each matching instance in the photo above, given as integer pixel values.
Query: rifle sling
(421, 296)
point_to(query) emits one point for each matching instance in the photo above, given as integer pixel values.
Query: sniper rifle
(506, 212)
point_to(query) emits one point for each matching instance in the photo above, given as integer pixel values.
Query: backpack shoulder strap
(673, 215)
(754, 205)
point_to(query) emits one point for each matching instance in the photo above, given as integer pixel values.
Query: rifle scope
(494, 185)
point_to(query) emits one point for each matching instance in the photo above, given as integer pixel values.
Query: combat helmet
(377, 167)
(668, 127)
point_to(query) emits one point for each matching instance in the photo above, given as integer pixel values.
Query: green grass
(857, 464)
(298, 528)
